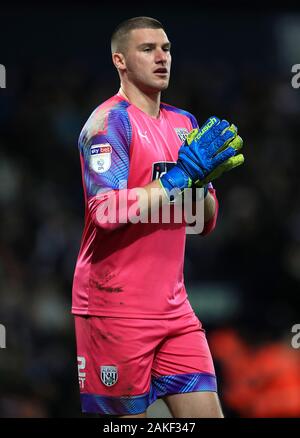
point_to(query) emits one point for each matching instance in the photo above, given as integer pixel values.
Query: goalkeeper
(138, 338)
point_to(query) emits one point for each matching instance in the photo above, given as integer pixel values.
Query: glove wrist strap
(174, 182)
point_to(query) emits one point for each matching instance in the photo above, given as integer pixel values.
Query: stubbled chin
(153, 87)
(161, 85)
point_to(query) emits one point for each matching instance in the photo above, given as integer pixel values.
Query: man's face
(148, 59)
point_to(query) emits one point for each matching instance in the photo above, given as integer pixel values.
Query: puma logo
(144, 135)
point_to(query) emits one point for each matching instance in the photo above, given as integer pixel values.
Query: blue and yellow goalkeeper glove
(234, 161)
(205, 155)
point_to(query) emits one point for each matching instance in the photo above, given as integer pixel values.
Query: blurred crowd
(255, 247)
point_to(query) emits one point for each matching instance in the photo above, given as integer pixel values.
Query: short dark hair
(120, 35)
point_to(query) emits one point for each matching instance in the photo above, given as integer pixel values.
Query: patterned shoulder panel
(104, 145)
(107, 119)
(192, 118)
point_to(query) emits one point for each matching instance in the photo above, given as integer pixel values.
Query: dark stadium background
(243, 279)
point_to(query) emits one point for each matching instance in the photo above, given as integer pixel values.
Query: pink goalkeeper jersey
(130, 270)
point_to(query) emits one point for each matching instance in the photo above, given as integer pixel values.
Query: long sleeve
(105, 167)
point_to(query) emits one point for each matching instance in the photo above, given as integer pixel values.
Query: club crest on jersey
(100, 157)
(182, 133)
(109, 375)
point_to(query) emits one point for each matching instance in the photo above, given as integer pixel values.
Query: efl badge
(100, 159)
(182, 133)
(109, 375)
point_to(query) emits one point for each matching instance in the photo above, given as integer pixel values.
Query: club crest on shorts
(109, 375)
(100, 157)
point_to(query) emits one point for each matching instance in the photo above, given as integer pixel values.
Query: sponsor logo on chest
(159, 168)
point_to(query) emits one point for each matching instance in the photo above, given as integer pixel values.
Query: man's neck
(149, 103)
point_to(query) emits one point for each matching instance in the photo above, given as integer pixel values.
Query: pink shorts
(125, 364)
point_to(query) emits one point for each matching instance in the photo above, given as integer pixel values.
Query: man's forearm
(126, 206)
(152, 197)
(114, 208)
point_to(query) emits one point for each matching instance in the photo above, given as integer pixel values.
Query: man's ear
(119, 60)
